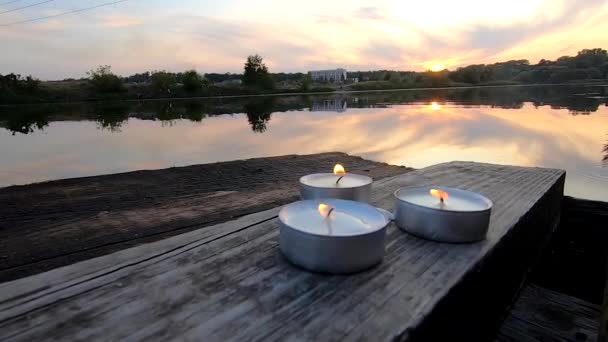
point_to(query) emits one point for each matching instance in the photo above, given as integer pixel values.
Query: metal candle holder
(327, 185)
(348, 238)
(463, 217)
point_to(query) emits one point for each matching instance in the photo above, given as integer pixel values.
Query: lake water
(558, 127)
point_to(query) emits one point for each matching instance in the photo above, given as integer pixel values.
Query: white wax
(348, 218)
(328, 180)
(458, 200)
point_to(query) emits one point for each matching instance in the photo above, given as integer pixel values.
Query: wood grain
(52, 224)
(545, 315)
(231, 283)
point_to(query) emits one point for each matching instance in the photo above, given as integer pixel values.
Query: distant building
(333, 75)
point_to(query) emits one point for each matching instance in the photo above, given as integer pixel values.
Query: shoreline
(338, 92)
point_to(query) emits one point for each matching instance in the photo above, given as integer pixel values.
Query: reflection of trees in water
(111, 116)
(194, 111)
(259, 112)
(166, 113)
(169, 112)
(25, 123)
(581, 105)
(605, 159)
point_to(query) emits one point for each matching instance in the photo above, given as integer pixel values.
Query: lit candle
(442, 214)
(332, 235)
(338, 184)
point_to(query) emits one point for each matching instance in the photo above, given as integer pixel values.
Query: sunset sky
(216, 36)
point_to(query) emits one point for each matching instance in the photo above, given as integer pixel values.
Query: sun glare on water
(435, 106)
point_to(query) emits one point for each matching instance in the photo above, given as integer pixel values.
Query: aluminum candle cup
(332, 235)
(463, 216)
(323, 185)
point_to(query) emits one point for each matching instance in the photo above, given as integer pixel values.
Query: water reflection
(259, 112)
(605, 159)
(194, 111)
(111, 116)
(528, 126)
(337, 104)
(25, 120)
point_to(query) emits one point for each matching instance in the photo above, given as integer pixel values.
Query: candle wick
(340, 178)
(329, 212)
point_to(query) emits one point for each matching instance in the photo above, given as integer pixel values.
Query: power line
(28, 6)
(64, 13)
(9, 2)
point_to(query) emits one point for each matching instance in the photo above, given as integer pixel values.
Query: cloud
(494, 38)
(384, 53)
(372, 13)
(121, 20)
(328, 19)
(299, 38)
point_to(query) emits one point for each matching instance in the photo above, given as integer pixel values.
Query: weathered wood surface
(52, 224)
(229, 282)
(543, 315)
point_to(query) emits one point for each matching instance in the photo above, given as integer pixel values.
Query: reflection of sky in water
(413, 135)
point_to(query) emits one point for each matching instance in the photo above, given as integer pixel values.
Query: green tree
(104, 81)
(138, 78)
(588, 58)
(306, 82)
(434, 78)
(256, 73)
(472, 74)
(193, 81)
(15, 84)
(30, 85)
(163, 81)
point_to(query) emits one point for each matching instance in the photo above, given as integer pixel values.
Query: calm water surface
(559, 127)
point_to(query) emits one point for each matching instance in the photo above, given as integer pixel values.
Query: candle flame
(442, 195)
(339, 170)
(324, 209)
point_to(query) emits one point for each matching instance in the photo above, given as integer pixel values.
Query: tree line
(102, 83)
(588, 64)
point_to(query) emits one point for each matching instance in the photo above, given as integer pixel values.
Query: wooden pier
(229, 281)
(57, 223)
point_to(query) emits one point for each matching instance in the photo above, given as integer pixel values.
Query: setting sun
(438, 67)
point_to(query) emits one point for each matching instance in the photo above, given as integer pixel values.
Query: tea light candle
(442, 214)
(338, 184)
(332, 235)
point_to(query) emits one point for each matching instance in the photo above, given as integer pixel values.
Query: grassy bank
(80, 91)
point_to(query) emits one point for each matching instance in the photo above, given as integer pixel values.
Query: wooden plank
(238, 286)
(544, 315)
(51, 224)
